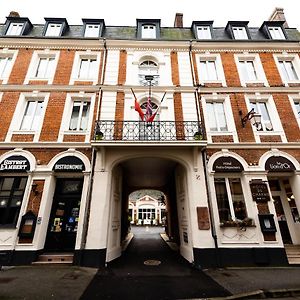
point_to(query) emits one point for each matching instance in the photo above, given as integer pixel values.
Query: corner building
(223, 145)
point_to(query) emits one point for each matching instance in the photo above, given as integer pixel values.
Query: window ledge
(11, 226)
(248, 222)
(24, 132)
(77, 132)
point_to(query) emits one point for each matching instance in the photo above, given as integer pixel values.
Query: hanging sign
(69, 164)
(15, 163)
(279, 164)
(259, 191)
(227, 164)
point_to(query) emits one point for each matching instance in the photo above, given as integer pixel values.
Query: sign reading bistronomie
(69, 164)
(15, 163)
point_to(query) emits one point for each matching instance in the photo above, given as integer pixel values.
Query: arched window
(148, 67)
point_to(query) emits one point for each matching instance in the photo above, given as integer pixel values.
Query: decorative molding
(270, 146)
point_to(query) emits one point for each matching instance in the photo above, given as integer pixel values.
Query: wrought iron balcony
(152, 131)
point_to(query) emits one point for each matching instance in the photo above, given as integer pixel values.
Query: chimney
(14, 14)
(278, 15)
(178, 20)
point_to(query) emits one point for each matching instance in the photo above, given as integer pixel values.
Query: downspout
(93, 161)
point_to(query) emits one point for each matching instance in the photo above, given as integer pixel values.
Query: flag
(149, 111)
(137, 107)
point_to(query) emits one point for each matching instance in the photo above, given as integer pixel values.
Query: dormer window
(276, 33)
(15, 29)
(148, 31)
(203, 32)
(93, 28)
(148, 28)
(239, 33)
(55, 27)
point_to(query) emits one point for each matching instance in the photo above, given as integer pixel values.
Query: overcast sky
(122, 12)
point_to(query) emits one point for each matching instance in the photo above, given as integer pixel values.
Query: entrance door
(63, 220)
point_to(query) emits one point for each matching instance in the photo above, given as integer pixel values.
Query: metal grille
(152, 131)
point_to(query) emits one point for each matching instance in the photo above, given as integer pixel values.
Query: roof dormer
(55, 27)
(238, 30)
(148, 29)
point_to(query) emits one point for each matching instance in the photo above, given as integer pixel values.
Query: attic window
(239, 33)
(148, 31)
(276, 33)
(15, 28)
(203, 32)
(92, 30)
(53, 29)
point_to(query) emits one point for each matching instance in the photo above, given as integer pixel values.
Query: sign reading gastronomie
(15, 163)
(279, 164)
(227, 164)
(69, 164)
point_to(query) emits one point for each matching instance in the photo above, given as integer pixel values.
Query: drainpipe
(210, 207)
(93, 161)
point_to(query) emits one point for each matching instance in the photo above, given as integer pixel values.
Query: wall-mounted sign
(279, 164)
(227, 164)
(203, 218)
(15, 163)
(69, 164)
(259, 191)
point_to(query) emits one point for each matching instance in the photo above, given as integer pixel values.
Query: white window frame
(203, 32)
(53, 29)
(218, 67)
(273, 114)
(5, 53)
(148, 33)
(92, 30)
(79, 56)
(231, 129)
(34, 64)
(259, 70)
(294, 59)
(66, 118)
(276, 33)
(19, 114)
(240, 33)
(18, 30)
(294, 99)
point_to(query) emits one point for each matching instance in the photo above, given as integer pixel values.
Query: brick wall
(270, 69)
(64, 67)
(230, 69)
(174, 68)
(122, 67)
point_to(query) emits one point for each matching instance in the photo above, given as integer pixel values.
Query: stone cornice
(43, 145)
(246, 146)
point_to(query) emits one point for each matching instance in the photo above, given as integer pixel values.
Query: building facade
(208, 116)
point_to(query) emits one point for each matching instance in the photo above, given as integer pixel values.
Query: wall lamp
(251, 116)
(34, 188)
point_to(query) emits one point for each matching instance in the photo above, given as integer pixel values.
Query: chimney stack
(14, 14)
(278, 15)
(178, 22)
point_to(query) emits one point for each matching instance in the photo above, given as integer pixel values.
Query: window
(11, 196)
(203, 32)
(45, 67)
(208, 70)
(297, 107)
(92, 30)
(230, 199)
(276, 33)
(216, 116)
(53, 29)
(148, 67)
(261, 108)
(32, 116)
(87, 68)
(5, 66)
(148, 31)
(247, 70)
(287, 70)
(80, 115)
(240, 33)
(15, 29)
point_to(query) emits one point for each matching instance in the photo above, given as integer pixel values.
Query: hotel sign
(259, 191)
(279, 164)
(227, 164)
(69, 164)
(15, 163)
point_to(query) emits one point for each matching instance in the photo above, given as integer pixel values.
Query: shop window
(230, 199)
(33, 115)
(79, 116)
(11, 196)
(216, 116)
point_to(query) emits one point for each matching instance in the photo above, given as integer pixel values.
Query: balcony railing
(152, 131)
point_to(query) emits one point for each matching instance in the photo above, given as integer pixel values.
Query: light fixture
(253, 117)
(34, 188)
